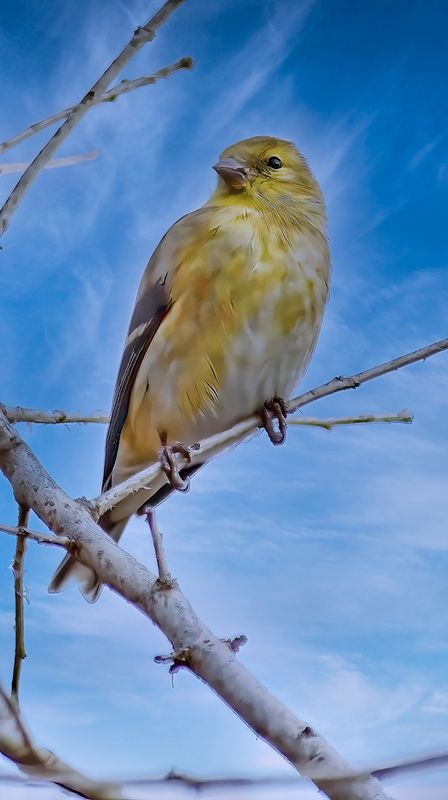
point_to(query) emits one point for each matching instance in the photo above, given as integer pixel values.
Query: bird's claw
(169, 466)
(275, 409)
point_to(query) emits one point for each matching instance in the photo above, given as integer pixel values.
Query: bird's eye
(274, 162)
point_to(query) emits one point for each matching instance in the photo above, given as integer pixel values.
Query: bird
(225, 321)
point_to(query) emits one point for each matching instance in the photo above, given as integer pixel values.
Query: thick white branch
(194, 645)
(141, 36)
(108, 97)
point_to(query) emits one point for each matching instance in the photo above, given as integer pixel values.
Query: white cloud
(437, 703)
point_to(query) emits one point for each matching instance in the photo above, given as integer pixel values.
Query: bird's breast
(242, 327)
(270, 353)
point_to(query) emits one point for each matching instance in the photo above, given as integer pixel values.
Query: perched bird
(225, 321)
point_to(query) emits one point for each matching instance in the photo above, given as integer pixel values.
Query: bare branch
(243, 430)
(16, 744)
(196, 784)
(339, 384)
(332, 422)
(404, 766)
(41, 538)
(157, 540)
(34, 415)
(203, 653)
(141, 36)
(18, 570)
(19, 414)
(55, 163)
(108, 97)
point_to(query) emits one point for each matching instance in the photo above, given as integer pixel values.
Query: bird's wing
(151, 306)
(141, 332)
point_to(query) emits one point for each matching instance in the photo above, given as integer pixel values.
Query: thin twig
(332, 422)
(249, 427)
(416, 764)
(57, 417)
(18, 569)
(108, 97)
(41, 538)
(141, 36)
(197, 784)
(353, 381)
(157, 540)
(55, 163)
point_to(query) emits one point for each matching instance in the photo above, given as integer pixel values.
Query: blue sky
(330, 553)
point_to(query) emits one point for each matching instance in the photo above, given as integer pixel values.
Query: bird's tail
(71, 569)
(113, 523)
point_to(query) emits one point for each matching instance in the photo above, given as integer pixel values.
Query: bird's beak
(232, 172)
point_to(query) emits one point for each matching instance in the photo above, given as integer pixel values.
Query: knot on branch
(307, 732)
(187, 62)
(236, 643)
(90, 506)
(177, 660)
(191, 783)
(145, 33)
(350, 383)
(8, 439)
(164, 584)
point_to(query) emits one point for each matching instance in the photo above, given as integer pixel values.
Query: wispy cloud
(424, 151)
(74, 337)
(255, 63)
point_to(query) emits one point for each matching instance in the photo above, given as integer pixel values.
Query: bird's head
(266, 171)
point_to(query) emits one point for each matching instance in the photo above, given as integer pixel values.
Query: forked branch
(108, 97)
(141, 36)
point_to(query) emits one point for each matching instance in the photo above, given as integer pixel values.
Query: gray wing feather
(151, 307)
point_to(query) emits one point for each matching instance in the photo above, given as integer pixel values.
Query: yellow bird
(226, 318)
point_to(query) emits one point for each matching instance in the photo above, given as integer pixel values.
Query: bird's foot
(275, 409)
(169, 466)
